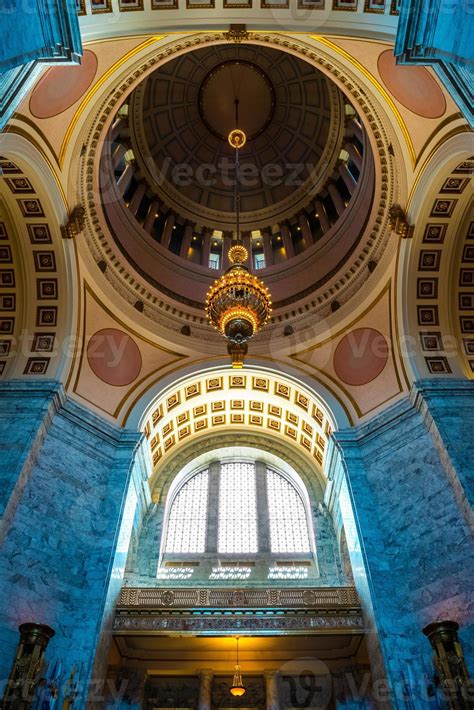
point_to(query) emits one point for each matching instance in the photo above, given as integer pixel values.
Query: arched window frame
(262, 461)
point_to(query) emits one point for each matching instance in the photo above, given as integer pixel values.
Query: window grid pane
(188, 517)
(287, 516)
(237, 526)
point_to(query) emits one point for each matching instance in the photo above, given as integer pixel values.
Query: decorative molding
(75, 224)
(237, 33)
(398, 222)
(223, 622)
(328, 598)
(222, 610)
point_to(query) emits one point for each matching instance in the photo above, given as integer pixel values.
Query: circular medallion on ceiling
(413, 87)
(114, 357)
(62, 86)
(360, 356)
(223, 86)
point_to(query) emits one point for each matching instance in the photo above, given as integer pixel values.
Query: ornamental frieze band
(270, 622)
(321, 597)
(245, 610)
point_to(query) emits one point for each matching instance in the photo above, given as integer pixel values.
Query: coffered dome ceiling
(181, 115)
(308, 185)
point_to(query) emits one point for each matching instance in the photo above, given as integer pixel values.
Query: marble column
(356, 128)
(336, 198)
(117, 126)
(205, 689)
(347, 176)
(137, 197)
(151, 216)
(322, 216)
(267, 248)
(271, 690)
(186, 241)
(246, 241)
(205, 248)
(287, 241)
(354, 155)
(118, 154)
(168, 230)
(305, 229)
(125, 179)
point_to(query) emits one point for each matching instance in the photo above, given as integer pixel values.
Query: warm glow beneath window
(188, 516)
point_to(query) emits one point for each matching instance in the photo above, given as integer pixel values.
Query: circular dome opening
(171, 203)
(233, 80)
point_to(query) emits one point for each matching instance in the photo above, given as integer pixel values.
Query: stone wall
(60, 542)
(416, 557)
(26, 410)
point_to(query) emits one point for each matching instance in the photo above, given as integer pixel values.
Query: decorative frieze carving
(322, 597)
(250, 622)
(237, 34)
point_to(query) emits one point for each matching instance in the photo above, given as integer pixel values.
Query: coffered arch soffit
(38, 277)
(435, 285)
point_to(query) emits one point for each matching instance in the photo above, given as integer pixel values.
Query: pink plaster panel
(360, 356)
(114, 357)
(413, 87)
(62, 86)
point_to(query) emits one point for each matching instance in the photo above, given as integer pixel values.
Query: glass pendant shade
(237, 688)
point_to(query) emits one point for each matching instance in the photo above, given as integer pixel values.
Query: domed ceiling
(307, 180)
(181, 115)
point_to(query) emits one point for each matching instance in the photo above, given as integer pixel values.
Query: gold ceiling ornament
(238, 254)
(238, 687)
(238, 304)
(237, 139)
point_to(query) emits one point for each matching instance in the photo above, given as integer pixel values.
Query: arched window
(236, 508)
(187, 524)
(287, 516)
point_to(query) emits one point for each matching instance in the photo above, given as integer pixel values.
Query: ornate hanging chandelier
(238, 687)
(238, 304)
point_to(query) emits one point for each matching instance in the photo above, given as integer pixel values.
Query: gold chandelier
(238, 687)
(238, 304)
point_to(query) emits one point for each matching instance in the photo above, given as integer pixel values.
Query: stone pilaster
(60, 537)
(205, 689)
(271, 690)
(26, 412)
(414, 562)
